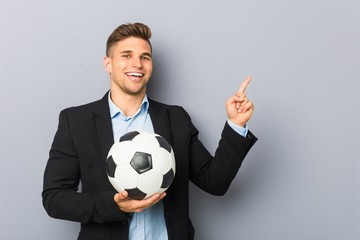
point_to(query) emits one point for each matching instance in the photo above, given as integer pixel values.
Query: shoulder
(157, 104)
(99, 106)
(171, 109)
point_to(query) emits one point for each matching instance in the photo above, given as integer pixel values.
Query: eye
(147, 58)
(125, 55)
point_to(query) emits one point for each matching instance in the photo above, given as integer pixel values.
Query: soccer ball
(141, 163)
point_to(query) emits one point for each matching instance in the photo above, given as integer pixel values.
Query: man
(86, 133)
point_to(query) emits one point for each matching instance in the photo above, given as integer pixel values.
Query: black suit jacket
(78, 156)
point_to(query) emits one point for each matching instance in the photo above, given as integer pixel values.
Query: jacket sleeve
(214, 174)
(61, 198)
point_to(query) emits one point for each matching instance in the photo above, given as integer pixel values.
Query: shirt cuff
(240, 130)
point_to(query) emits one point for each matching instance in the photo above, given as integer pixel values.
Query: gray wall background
(300, 181)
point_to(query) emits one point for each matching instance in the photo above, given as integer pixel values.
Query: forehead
(133, 44)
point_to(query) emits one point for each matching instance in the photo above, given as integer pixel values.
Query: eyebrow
(143, 54)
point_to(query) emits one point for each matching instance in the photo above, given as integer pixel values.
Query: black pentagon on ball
(110, 166)
(163, 143)
(167, 179)
(129, 136)
(141, 162)
(136, 194)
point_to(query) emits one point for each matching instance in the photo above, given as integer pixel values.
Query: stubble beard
(132, 90)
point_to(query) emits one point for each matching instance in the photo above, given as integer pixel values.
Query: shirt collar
(115, 111)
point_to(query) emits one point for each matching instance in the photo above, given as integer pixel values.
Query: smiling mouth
(134, 74)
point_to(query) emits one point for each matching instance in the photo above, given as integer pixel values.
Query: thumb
(120, 196)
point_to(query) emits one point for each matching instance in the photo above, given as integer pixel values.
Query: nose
(136, 62)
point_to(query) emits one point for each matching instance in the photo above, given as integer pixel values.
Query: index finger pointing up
(245, 84)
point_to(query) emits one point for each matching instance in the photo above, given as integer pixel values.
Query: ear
(107, 64)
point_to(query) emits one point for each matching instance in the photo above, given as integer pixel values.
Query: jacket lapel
(160, 120)
(104, 130)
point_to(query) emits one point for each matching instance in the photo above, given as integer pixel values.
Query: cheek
(120, 66)
(150, 69)
(117, 68)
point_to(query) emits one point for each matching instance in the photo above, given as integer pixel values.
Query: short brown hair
(127, 30)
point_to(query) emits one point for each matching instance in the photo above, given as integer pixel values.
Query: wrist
(242, 130)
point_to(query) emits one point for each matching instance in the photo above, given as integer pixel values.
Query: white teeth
(135, 74)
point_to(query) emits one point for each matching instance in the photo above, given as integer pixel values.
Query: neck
(128, 104)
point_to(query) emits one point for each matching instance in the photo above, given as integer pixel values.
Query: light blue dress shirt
(150, 223)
